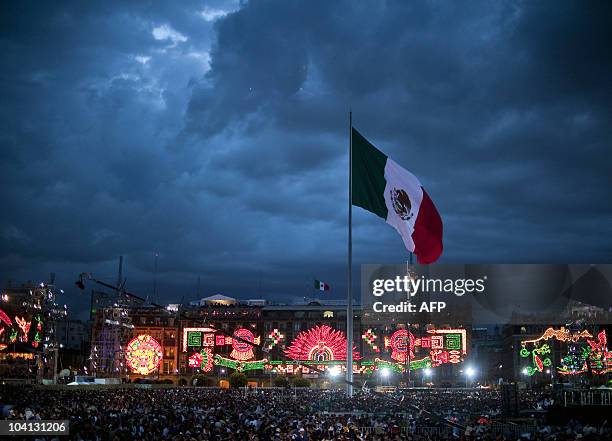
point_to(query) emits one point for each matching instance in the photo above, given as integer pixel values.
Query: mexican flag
(321, 286)
(381, 186)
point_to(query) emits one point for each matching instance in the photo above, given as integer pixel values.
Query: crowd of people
(194, 414)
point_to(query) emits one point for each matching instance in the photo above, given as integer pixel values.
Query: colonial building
(218, 335)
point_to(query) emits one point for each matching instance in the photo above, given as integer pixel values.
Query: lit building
(218, 335)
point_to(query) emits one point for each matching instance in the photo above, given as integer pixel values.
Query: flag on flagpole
(381, 186)
(321, 286)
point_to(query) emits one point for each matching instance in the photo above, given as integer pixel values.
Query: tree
(238, 379)
(281, 382)
(199, 380)
(301, 382)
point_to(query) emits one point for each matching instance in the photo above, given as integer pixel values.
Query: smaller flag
(321, 286)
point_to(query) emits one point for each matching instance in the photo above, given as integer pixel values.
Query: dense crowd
(194, 414)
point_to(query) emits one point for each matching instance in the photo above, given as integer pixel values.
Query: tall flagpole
(408, 325)
(349, 308)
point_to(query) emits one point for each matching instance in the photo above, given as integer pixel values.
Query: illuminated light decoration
(202, 360)
(561, 334)
(36, 340)
(539, 358)
(187, 331)
(305, 367)
(453, 341)
(321, 343)
(208, 340)
(194, 339)
(3, 347)
(401, 343)
(439, 357)
(220, 340)
(370, 338)
(241, 350)
(595, 355)
(240, 365)
(21, 355)
(13, 336)
(444, 345)
(577, 360)
(601, 344)
(599, 355)
(39, 322)
(573, 363)
(143, 354)
(195, 360)
(451, 338)
(275, 338)
(5, 318)
(24, 326)
(420, 363)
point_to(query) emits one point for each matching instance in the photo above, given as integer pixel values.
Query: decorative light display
(362, 367)
(539, 358)
(574, 362)
(24, 326)
(5, 318)
(324, 347)
(240, 365)
(369, 336)
(274, 338)
(192, 337)
(13, 336)
(36, 340)
(241, 350)
(561, 334)
(39, 327)
(281, 367)
(595, 356)
(600, 356)
(39, 322)
(202, 360)
(321, 343)
(579, 358)
(143, 354)
(454, 339)
(401, 367)
(401, 343)
(444, 346)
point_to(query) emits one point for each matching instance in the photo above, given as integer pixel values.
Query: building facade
(218, 335)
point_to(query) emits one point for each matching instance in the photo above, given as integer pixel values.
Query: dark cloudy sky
(215, 133)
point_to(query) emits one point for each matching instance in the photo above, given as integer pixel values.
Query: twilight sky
(215, 134)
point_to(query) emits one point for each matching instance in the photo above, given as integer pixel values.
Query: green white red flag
(321, 286)
(381, 186)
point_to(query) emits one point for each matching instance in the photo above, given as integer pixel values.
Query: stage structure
(111, 331)
(112, 326)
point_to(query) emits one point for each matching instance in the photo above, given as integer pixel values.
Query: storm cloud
(216, 134)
